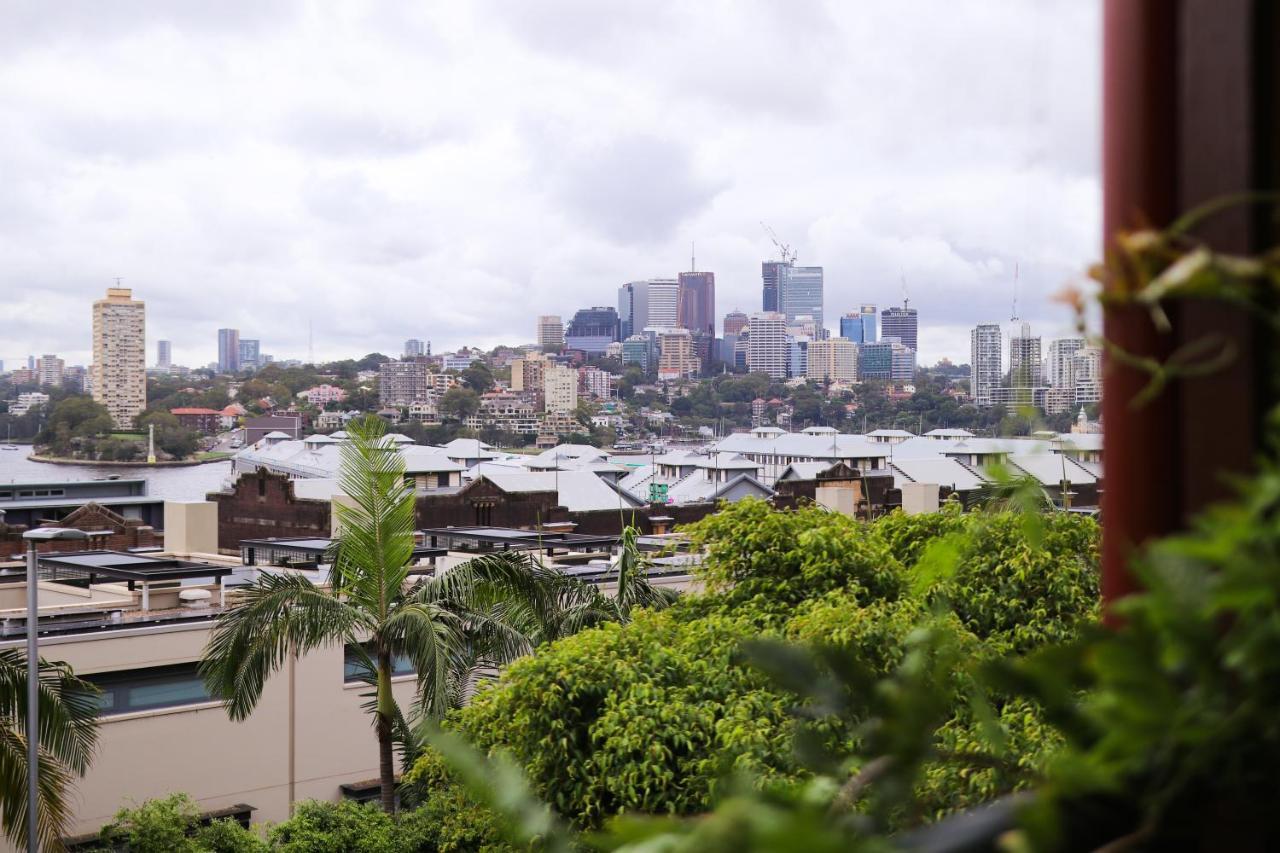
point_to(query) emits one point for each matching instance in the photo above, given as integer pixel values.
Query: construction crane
(788, 254)
(1014, 318)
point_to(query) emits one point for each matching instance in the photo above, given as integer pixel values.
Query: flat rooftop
(511, 537)
(124, 566)
(313, 546)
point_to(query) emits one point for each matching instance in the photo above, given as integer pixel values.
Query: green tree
(459, 403)
(372, 607)
(68, 731)
(171, 436)
(479, 377)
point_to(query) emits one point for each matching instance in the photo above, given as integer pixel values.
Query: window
(352, 666)
(149, 689)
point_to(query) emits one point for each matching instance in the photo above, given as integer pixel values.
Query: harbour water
(190, 483)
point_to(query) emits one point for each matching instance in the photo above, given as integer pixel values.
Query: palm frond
(277, 616)
(433, 636)
(374, 543)
(68, 735)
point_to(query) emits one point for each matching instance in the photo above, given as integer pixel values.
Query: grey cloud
(364, 135)
(633, 188)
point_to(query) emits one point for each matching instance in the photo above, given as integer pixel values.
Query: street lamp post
(33, 537)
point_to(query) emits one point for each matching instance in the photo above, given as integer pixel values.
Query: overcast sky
(449, 171)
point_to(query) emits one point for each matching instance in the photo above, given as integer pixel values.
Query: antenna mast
(906, 300)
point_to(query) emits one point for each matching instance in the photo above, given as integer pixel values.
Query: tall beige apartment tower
(120, 355)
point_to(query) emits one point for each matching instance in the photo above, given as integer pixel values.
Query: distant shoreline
(169, 463)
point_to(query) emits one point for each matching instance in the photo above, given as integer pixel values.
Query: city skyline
(369, 215)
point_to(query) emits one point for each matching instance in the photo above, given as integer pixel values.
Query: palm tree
(444, 625)
(68, 731)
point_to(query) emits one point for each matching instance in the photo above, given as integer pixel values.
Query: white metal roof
(939, 470)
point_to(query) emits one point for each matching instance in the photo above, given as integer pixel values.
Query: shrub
(769, 561)
(643, 717)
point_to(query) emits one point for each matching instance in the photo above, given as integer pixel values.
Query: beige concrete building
(833, 360)
(550, 332)
(119, 371)
(160, 732)
(676, 358)
(560, 389)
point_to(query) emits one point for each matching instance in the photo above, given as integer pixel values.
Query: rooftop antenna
(906, 300)
(118, 280)
(788, 254)
(693, 257)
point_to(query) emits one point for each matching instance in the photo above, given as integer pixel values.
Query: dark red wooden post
(1189, 106)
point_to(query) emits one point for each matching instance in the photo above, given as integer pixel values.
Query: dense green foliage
(655, 716)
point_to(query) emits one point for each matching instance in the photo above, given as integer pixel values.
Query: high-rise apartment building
(560, 389)
(800, 292)
(984, 363)
(833, 360)
(676, 357)
(527, 373)
(250, 354)
(696, 302)
(1058, 363)
(901, 323)
(49, 370)
(164, 354)
(859, 326)
(592, 329)
(228, 350)
(1024, 358)
(119, 374)
(551, 332)
(402, 383)
(1086, 375)
(767, 346)
(734, 322)
(770, 271)
(413, 348)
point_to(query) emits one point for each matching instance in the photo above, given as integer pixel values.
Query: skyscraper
(800, 293)
(835, 359)
(551, 332)
(120, 355)
(734, 322)
(901, 323)
(859, 326)
(984, 363)
(769, 274)
(676, 358)
(49, 370)
(250, 354)
(651, 303)
(768, 350)
(1058, 364)
(696, 302)
(593, 329)
(228, 350)
(412, 348)
(164, 354)
(1024, 358)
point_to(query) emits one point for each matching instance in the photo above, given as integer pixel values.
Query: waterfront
(190, 483)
